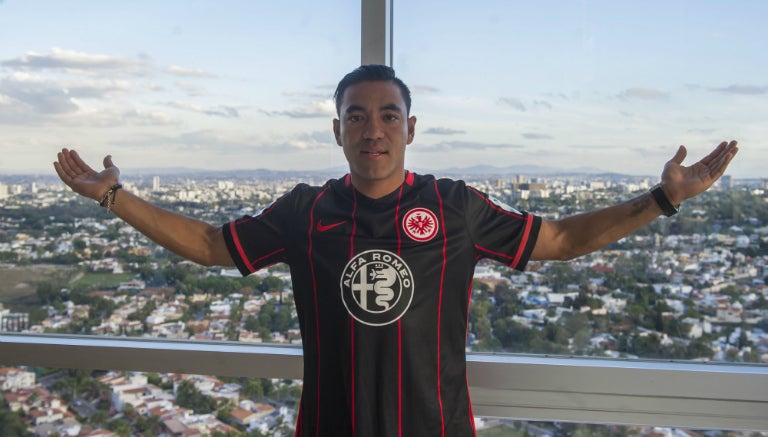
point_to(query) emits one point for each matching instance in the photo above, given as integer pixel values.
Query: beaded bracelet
(109, 197)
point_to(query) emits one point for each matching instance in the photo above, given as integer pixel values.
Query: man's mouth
(373, 153)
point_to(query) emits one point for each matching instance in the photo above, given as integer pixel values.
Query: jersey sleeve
(499, 231)
(256, 242)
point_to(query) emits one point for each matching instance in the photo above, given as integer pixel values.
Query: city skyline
(557, 84)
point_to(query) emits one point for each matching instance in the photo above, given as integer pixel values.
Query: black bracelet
(109, 197)
(661, 198)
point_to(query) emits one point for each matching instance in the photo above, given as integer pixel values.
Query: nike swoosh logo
(322, 228)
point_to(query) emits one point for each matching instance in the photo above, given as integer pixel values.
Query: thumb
(680, 155)
(108, 161)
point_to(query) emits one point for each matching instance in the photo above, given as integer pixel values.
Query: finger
(715, 154)
(82, 167)
(65, 165)
(718, 171)
(725, 159)
(680, 155)
(60, 171)
(108, 161)
(724, 153)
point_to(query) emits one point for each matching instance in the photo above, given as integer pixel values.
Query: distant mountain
(534, 170)
(477, 170)
(263, 173)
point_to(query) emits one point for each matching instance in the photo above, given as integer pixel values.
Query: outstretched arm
(192, 239)
(584, 233)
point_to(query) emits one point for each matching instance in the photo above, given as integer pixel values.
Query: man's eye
(390, 117)
(354, 118)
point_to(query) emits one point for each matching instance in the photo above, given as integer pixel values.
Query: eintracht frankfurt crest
(420, 224)
(376, 287)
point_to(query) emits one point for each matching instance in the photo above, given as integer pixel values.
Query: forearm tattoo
(640, 204)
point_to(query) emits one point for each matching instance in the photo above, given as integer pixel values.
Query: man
(382, 261)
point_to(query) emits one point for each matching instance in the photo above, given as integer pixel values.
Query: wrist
(108, 199)
(662, 199)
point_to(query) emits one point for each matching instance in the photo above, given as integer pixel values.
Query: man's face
(373, 129)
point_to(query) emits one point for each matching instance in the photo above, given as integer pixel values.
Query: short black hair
(372, 72)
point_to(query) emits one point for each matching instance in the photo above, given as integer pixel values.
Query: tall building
(156, 183)
(726, 182)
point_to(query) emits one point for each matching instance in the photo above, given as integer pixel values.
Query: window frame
(572, 389)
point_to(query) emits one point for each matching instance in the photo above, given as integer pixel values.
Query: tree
(648, 346)
(99, 417)
(270, 283)
(697, 348)
(283, 319)
(253, 388)
(251, 323)
(507, 300)
(188, 396)
(47, 293)
(120, 426)
(11, 423)
(513, 336)
(148, 425)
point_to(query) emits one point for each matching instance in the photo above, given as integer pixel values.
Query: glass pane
(562, 107)
(179, 93)
(44, 401)
(507, 427)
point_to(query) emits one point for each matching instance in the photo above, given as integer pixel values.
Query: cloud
(223, 111)
(191, 89)
(316, 109)
(57, 97)
(643, 94)
(535, 136)
(542, 103)
(590, 146)
(448, 146)
(40, 96)
(513, 102)
(305, 94)
(424, 89)
(742, 89)
(219, 111)
(77, 62)
(443, 131)
(702, 131)
(137, 117)
(232, 143)
(187, 72)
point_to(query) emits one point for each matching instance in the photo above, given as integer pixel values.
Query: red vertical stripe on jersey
(466, 333)
(317, 309)
(409, 178)
(523, 240)
(299, 427)
(471, 413)
(351, 319)
(400, 321)
(236, 240)
(439, 309)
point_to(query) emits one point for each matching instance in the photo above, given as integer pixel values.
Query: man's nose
(373, 129)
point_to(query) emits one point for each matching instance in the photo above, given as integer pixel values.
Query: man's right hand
(83, 179)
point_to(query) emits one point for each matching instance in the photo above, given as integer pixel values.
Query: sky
(607, 85)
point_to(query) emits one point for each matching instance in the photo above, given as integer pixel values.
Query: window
(41, 100)
(174, 92)
(562, 107)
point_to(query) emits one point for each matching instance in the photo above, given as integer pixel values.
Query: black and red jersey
(382, 289)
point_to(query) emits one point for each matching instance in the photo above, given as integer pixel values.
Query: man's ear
(411, 128)
(337, 130)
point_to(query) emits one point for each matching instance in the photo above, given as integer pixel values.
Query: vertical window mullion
(376, 32)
